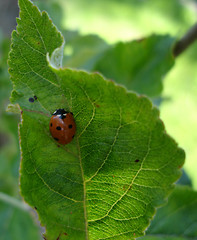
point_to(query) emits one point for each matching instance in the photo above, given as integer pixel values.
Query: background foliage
(120, 21)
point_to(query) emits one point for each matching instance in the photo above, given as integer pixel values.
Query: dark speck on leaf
(35, 97)
(31, 100)
(73, 136)
(137, 160)
(65, 234)
(71, 113)
(59, 236)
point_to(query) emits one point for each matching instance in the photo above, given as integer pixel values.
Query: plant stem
(185, 41)
(13, 201)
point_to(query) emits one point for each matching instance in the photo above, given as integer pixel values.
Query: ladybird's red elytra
(62, 126)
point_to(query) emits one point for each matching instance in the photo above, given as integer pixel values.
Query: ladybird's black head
(60, 111)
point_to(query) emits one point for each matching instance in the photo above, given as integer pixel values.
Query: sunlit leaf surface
(121, 164)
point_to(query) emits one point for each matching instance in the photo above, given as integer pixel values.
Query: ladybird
(62, 126)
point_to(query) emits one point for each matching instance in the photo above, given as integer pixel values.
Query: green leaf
(54, 9)
(84, 51)
(16, 221)
(139, 65)
(178, 219)
(119, 167)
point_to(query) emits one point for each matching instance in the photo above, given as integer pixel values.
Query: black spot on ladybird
(71, 113)
(56, 139)
(51, 124)
(70, 126)
(31, 100)
(58, 128)
(137, 160)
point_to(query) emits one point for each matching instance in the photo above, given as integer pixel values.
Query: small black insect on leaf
(31, 99)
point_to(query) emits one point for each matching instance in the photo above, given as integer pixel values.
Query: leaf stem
(185, 41)
(13, 201)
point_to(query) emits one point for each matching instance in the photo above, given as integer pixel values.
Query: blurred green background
(112, 21)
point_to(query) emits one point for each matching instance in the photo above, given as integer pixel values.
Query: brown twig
(185, 41)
